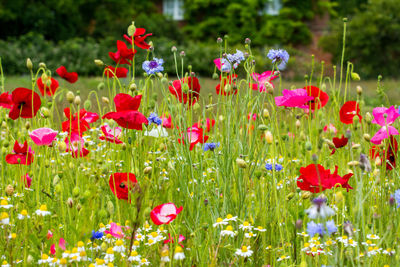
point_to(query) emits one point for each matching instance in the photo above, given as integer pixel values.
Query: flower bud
(70, 96)
(378, 161)
(339, 197)
(219, 40)
(29, 64)
(196, 106)
(9, 190)
(99, 62)
(305, 194)
(308, 146)
(299, 224)
(227, 88)
(298, 123)
(182, 54)
(131, 29)
(289, 196)
(147, 170)
(314, 158)
(27, 125)
(367, 137)
(174, 49)
(62, 146)
(353, 163)
(78, 207)
(262, 127)
(266, 113)
(45, 112)
(247, 41)
(77, 100)
(75, 192)
(110, 207)
(105, 100)
(359, 90)
(42, 65)
(368, 117)
(241, 163)
(268, 137)
(87, 104)
(70, 202)
(355, 76)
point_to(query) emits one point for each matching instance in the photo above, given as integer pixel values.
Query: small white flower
(42, 211)
(220, 221)
(244, 251)
(245, 226)
(228, 231)
(372, 236)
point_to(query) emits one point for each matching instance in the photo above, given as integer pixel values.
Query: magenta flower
(293, 98)
(111, 134)
(263, 78)
(383, 133)
(77, 145)
(115, 231)
(43, 136)
(165, 213)
(391, 115)
(330, 127)
(27, 180)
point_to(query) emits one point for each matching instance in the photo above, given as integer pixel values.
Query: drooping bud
(105, 100)
(366, 137)
(27, 125)
(42, 65)
(174, 49)
(241, 163)
(368, 117)
(45, 112)
(355, 76)
(99, 62)
(70, 202)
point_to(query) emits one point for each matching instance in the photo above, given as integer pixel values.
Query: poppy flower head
(70, 77)
(167, 122)
(348, 111)
(193, 136)
(25, 103)
(293, 98)
(43, 136)
(264, 78)
(6, 100)
(139, 38)
(111, 134)
(227, 81)
(207, 124)
(22, 154)
(121, 184)
(339, 142)
(165, 213)
(320, 97)
(76, 145)
(384, 116)
(48, 87)
(186, 90)
(112, 72)
(314, 178)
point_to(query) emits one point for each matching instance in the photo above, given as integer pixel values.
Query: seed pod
(131, 29)
(241, 163)
(9, 190)
(70, 202)
(268, 137)
(359, 90)
(355, 76)
(147, 170)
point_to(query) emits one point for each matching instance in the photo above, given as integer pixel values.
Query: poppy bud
(71, 165)
(173, 49)
(290, 196)
(355, 146)
(70, 96)
(367, 137)
(78, 207)
(29, 64)
(99, 62)
(298, 124)
(314, 158)
(185, 88)
(305, 195)
(45, 112)
(368, 117)
(299, 224)
(266, 113)
(219, 40)
(378, 161)
(268, 137)
(247, 41)
(339, 197)
(42, 65)
(4, 125)
(77, 100)
(196, 106)
(9, 190)
(70, 202)
(353, 163)
(102, 213)
(58, 188)
(182, 54)
(87, 104)
(147, 170)
(221, 118)
(105, 100)
(132, 87)
(347, 134)
(30, 260)
(227, 88)
(308, 146)
(206, 202)
(62, 146)
(27, 125)
(355, 76)
(56, 180)
(329, 143)
(75, 192)
(103, 246)
(6, 143)
(241, 163)
(131, 29)
(110, 207)
(392, 200)
(359, 90)
(262, 127)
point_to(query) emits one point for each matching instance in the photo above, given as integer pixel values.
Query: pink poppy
(27, 180)
(209, 123)
(167, 122)
(53, 249)
(77, 145)
(383, 133)
(293, 98)
(194, 135)
(61, 243)
(43, 136)
(165, 213)
(391, 115)
(330, 127)
(111, 134)
(115, 231)
(181, 238)
(262, 79)
(127, 114)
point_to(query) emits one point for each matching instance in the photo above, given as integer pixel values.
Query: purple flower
(279, 56)
(315, 228)
(96, 235)
(153, 66)
(397, 197)
(153, 118)
(278, 167)
(210, 146)
(331, 227)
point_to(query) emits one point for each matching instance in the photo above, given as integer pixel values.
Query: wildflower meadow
(153, 172)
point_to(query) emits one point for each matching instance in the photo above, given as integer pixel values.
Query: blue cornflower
(210, 146)
(96, 235)
(153, 66)
(315, 228)
(279, 56)
(397, 197)
(225, 65)
(153, 118)
(269, 166)
(331, 227)
(237, 57)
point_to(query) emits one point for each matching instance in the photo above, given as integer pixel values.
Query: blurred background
(75, 32)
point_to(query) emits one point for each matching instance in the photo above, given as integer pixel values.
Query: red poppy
(170, 239)
(119, 72)
(127, 114)
(320, 97)
(390, 155)
(50, 89)
(348, 111)
(207, 125)
(22, 154)
(6, 100)
(26, 103)
(78, 122)
(186, 90)
(165, 213)
(121, 184)
(139, 38)
(76, 145)
(167, 122)
(124, 55)
(70, 77)
(339, 142)
(227, 80)
(315, 178)
(194, 135)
